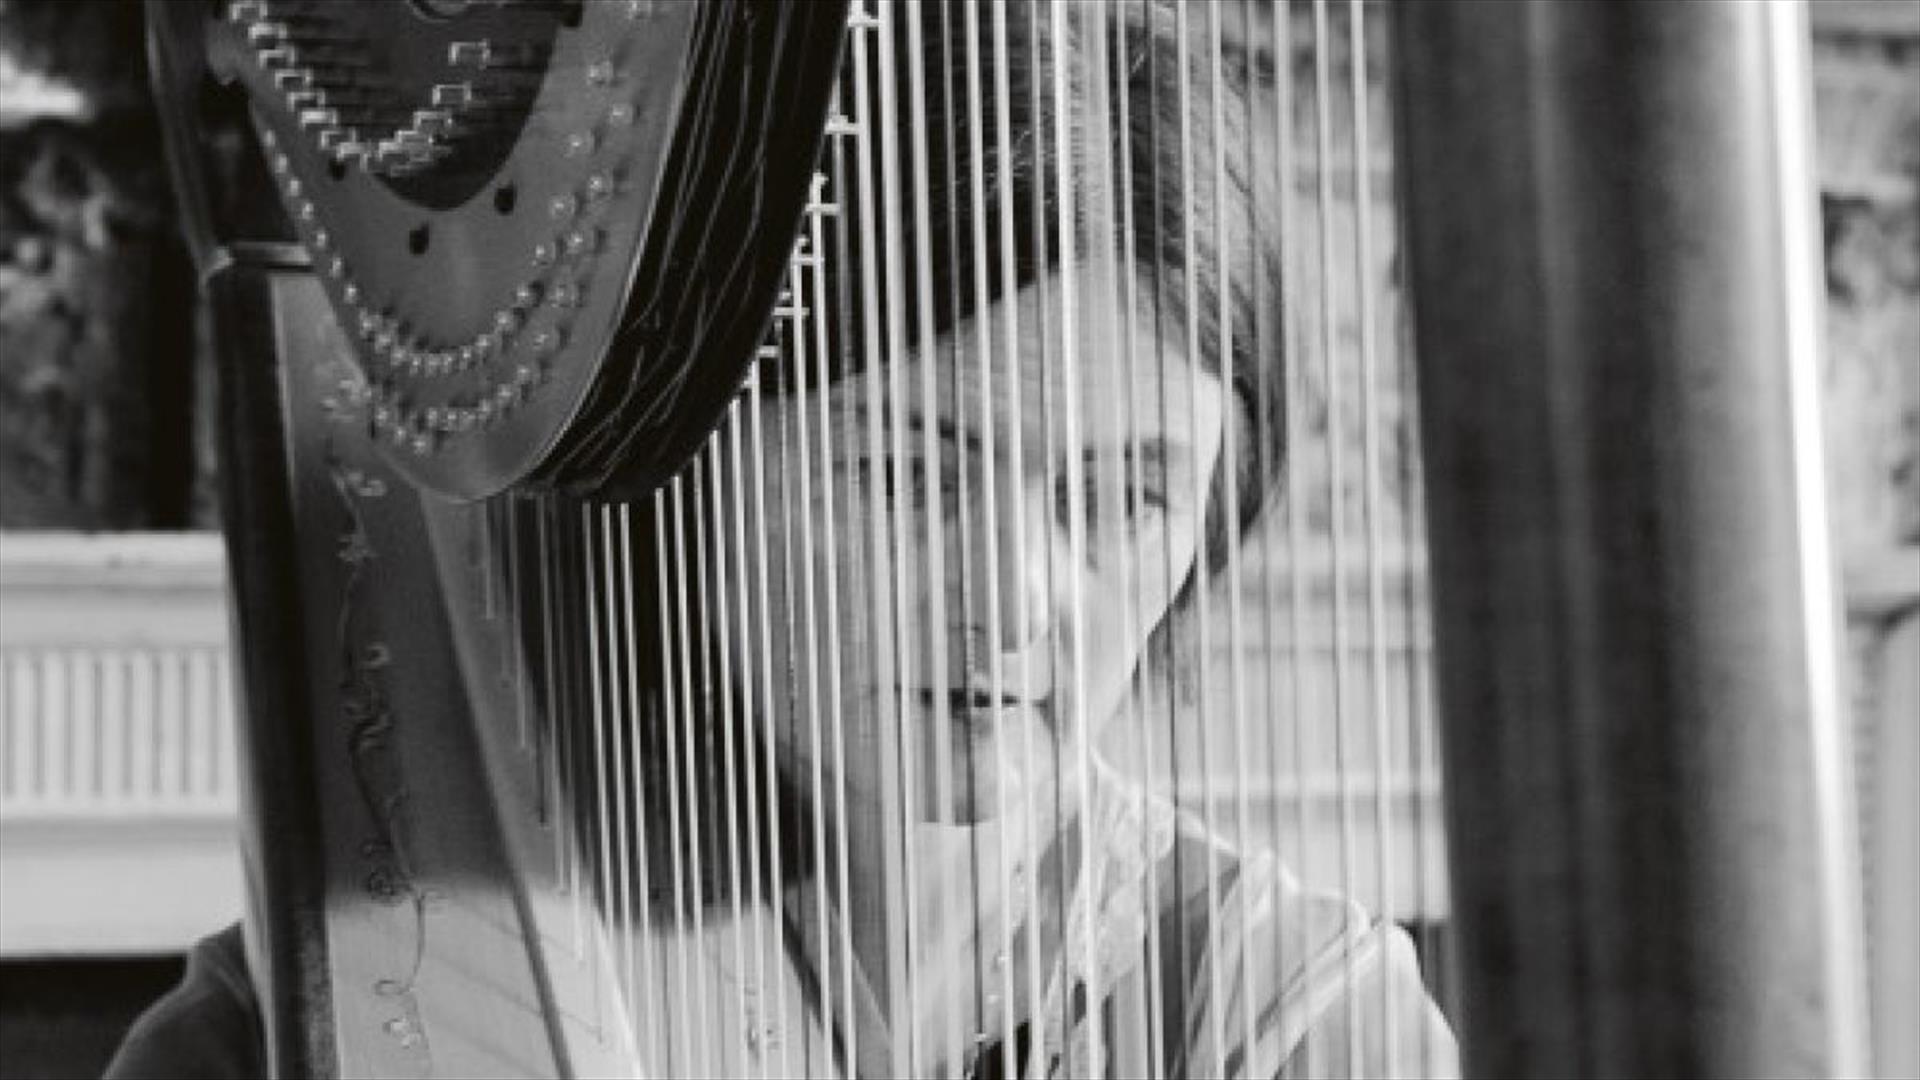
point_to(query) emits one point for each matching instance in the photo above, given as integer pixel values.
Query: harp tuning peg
(452, 95)
(470, 53)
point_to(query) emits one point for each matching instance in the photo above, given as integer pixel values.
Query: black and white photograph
(1256, 539)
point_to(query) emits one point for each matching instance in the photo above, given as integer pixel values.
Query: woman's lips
(975, 708)
(970, 698)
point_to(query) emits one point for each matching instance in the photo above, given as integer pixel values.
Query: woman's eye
(1129, 508)
(896, 482)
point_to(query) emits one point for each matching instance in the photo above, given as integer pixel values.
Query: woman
(960, 532)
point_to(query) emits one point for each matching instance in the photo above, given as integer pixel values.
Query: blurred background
(117, 794)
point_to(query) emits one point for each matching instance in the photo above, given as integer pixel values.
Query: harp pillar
(1616, 311)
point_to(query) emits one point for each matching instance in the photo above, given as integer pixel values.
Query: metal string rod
(926, 352)
(481, 521)
(928, 476)
(713, 600)
(991, 643)
(512, 654)
(1133, 571)
(1229, 461)
(637, 722)
(569, 757)
(1190, 313)
(1435, 958)
(692, 718)
(823, 344)
(1370, 412)
(1029, 816)
(1336, 474)
(667, 704)
(729, 478)
(1170, 574)
(1267, 355)
(1076, 481)
(549, 766)
(898, 349)
(597, 878)
(1293, 350)
(881, 309)
(839, 188)
(974, 1017)
(1414, 543)
(797, 464)
(764, 702)
(1046, 365)
(620, 652)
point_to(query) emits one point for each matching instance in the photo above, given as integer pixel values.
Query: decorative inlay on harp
(875, 539)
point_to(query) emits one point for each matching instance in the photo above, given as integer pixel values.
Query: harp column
(1615, 284)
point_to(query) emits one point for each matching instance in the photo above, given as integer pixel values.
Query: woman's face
(964, 559)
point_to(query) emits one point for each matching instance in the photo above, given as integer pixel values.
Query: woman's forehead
(1026, 362)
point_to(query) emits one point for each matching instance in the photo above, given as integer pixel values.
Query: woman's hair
(1182, 251)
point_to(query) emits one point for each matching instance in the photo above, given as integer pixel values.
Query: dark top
(208, 1026)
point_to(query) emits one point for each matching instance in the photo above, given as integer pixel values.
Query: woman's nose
(1013, 551)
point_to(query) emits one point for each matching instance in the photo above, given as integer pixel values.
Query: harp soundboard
(987, 538)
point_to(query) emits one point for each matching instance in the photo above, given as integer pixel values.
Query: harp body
(504, 821)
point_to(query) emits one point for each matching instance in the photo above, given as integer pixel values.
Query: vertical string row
(1371, 412)
(763, 701)
(899, 543)
(880, 337)
(824, 346)
(1133, 570)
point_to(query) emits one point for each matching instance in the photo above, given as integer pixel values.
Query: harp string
(828, 337)
(1190, 311)
(1335, 464)
(941, 575)
(798, 518)
(642, 717)
(1262, 166)
(1371, 407)
(858, 702)
(878, 337)
(1142, 1019)
(970, 1016)
(663, 705)
(1174, 1012)
(714, 600)
(694, 720)
(990, 644)
(571, 757)
(628, 826)
(599, 852)
(1223, 256)
(734, 616)
(768, 714)
(937, 926)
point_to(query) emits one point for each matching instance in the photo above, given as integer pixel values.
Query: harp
(888, 538)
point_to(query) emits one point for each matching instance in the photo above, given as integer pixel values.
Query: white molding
(117, 773)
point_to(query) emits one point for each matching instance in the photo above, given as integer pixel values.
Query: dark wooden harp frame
(1610, 246)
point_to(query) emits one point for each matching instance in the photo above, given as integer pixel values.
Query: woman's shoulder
(208, 1025)
(1293, 979)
